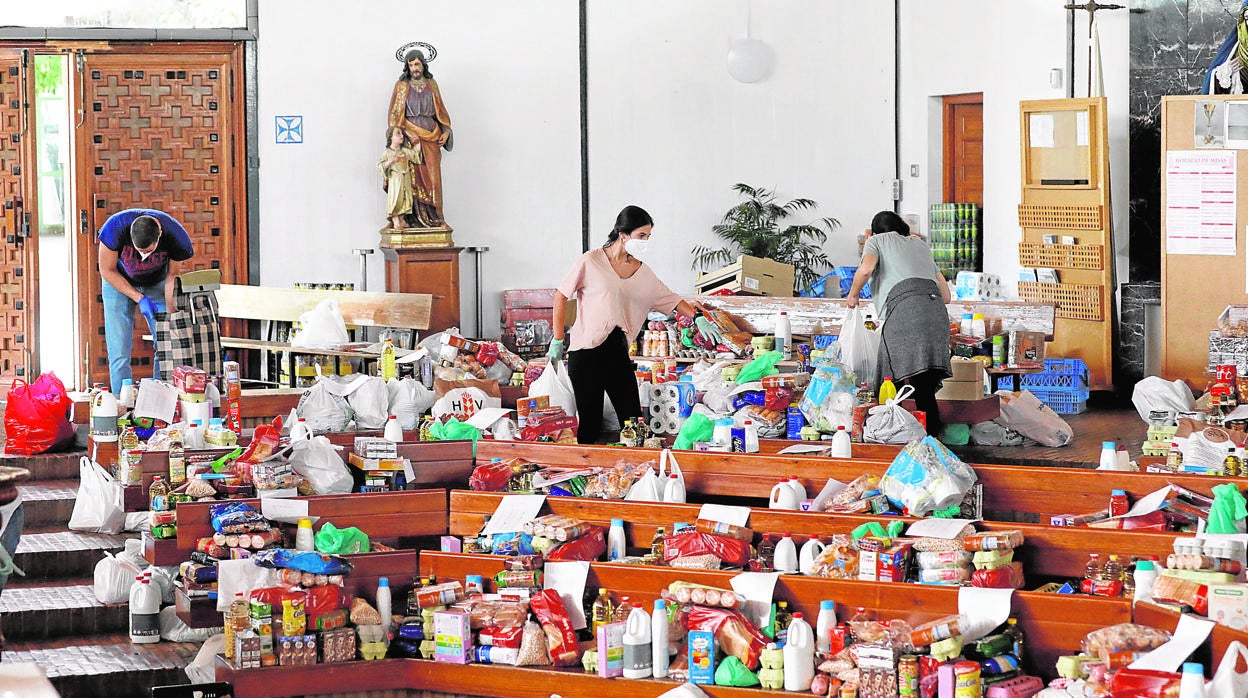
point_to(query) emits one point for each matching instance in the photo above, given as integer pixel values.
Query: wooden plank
(1050, 622)
(368, 308)
(1049, 552)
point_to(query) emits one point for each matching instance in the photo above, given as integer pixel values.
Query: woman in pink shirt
(614, 293)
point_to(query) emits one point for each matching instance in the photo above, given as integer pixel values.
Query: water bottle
(674, 492)
(1192, 685)
(304, 538)
(824, 623)
(842, 447)
(104, 416)
(1109, 458)
(751, 437)
(299, 430)
(965, 326)
(383, 604)
(616, 546)
(658, 640)
(1145, 575)
(144, 612)
(128, 394)
(393, 431)
(786, 555)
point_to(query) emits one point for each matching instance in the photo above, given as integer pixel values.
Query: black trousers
(926, 385)
(607, 368)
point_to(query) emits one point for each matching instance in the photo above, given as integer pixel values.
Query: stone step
(46, 612)
(48, 503)
(105, 665)
(47, 466)
(58, 554)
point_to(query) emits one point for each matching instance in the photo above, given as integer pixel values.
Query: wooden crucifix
(1091, 6)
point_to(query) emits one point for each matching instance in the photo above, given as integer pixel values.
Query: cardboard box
(701, 657)
(453, 637)
(961, 390)
(749, 276)
(1025, 348)
(965, 369)
(1228, 605)
(611, 650)
(377, 463)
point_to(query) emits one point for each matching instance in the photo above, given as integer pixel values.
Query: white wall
(509, 78)
(1005, 51)
(671, 131)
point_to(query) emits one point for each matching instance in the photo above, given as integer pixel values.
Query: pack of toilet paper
(976, 286)
(670, 405)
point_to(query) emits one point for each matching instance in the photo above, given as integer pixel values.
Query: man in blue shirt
(138, 250)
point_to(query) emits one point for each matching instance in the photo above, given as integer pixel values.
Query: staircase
(51, 618)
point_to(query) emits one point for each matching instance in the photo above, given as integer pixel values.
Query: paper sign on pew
(568, 578)
(830, 488)
(734, 516)
(937, 528)
(285, 510)
(513, 512)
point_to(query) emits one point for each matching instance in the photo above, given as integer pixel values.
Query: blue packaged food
(796, 420)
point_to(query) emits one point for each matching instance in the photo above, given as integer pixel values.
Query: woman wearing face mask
(614, 291)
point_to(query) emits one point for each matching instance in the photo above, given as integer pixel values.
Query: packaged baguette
(702, 595)
(1182, 591)
(719, 528)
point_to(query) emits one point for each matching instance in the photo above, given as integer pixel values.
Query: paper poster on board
(1237, 125)
(1200, 202)
(1209, 125)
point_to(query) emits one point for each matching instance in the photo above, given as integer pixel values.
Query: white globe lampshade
(749, 60)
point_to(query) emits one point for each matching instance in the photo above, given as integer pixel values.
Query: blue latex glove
(555, 352)
(707, 329)
(148, 308)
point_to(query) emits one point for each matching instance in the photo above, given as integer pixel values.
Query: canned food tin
(966, 683)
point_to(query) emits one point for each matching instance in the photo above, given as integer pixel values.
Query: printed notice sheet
(1200, 202)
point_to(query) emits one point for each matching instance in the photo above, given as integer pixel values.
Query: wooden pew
(1050, 553)
(387, 516)
(1052, 624)
(1011, 493)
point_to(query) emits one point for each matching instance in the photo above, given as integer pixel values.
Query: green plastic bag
(698, 427)
(731, 672)
(764, 365)
(1228, 508)
(332, 540)
(455, 430)
(956, 435)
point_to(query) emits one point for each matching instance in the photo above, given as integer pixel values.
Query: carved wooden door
(163, 129)
(18, 247)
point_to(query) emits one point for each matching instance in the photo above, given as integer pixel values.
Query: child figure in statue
(395, 166)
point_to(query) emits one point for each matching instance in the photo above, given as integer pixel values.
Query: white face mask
(636, 247)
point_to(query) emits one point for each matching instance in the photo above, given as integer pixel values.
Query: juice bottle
(888, 391)
(766, 553)
(622, 610)
(783, 619)
(603, 611)
(177, 458)
(158, 494)
(388, 368)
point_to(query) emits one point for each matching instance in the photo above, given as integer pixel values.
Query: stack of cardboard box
(967, 382)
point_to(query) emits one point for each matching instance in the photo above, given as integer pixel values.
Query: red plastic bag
(588, 547)
(730, 550)
(490, 477)
(35, 417)
(560, 637)
(734, 633)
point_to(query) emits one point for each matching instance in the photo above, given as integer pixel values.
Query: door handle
(83, 226)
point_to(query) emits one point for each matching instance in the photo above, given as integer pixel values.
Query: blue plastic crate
(817, 289)
(1059, 375)
(1063, 402)
(846, 275)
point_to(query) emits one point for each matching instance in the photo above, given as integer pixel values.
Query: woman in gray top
(910, 296)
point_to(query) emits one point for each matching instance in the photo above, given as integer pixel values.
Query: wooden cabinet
(432, 270)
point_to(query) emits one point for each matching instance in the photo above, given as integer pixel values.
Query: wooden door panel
(162, 131)
(18, 275)
(964, 148)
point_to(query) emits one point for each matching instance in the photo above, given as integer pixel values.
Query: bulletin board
(1196, 287)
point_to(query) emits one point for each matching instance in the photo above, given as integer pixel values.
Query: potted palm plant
(753, 228)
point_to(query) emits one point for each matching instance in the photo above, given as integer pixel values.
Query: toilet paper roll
(658, 425)
(672, 424)
(656, 391)
(656, 409)
(196, 410)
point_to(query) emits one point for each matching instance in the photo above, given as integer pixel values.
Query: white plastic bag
(993, 434)
(890, 423)
(926, 476)
(323, 327)
(172, 629)
(1025, 414)
(409, 400)
(317, 460)
(323, 408)
(554, 382)
(162, 578)
(1166, 398)
(829, 399)
(370, 401)
(203, 668)
(1231, 679)
(463, 403)
(685, 690)
(859, 347)
(113, 579)
(98, 507)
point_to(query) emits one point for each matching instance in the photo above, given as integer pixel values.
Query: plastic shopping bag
(1232, 676)
(926, 476)
(317, 460)
(35, 416)
(554, 382)
(370, 401)
(323, 327)
(829, 399)
(859, 347)
(1025, 414)
(409, 400)
(1161, 398)
(890, 423)
(113, 578)
(324, 408)
(98, 507)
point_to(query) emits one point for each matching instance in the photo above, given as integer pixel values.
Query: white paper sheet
(513, 512)
(1200, 202)
(240, 576)
(1189, 635)
(830, 488)
(284, 510)
(1149, 503)
(756, 588)
(412, 356)
(1081, 128)
(736, 516)
(568, 578)
(937, 528)
(156, 400)
(812, 447)
(486, 416)
(986, 609)
(1040, 131)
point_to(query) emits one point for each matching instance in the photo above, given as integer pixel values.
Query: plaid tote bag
(190, 336)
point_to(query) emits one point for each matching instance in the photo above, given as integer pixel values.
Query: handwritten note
(156, 400)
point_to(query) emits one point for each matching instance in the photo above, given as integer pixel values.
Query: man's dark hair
(407, 71)
(888, 222)
(144, 232)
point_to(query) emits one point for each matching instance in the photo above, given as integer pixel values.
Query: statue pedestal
(432, 270)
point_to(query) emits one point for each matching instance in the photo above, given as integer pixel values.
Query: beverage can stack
(955, 237)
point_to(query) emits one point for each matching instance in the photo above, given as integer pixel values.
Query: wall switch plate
(896, 184)
(914, 170)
